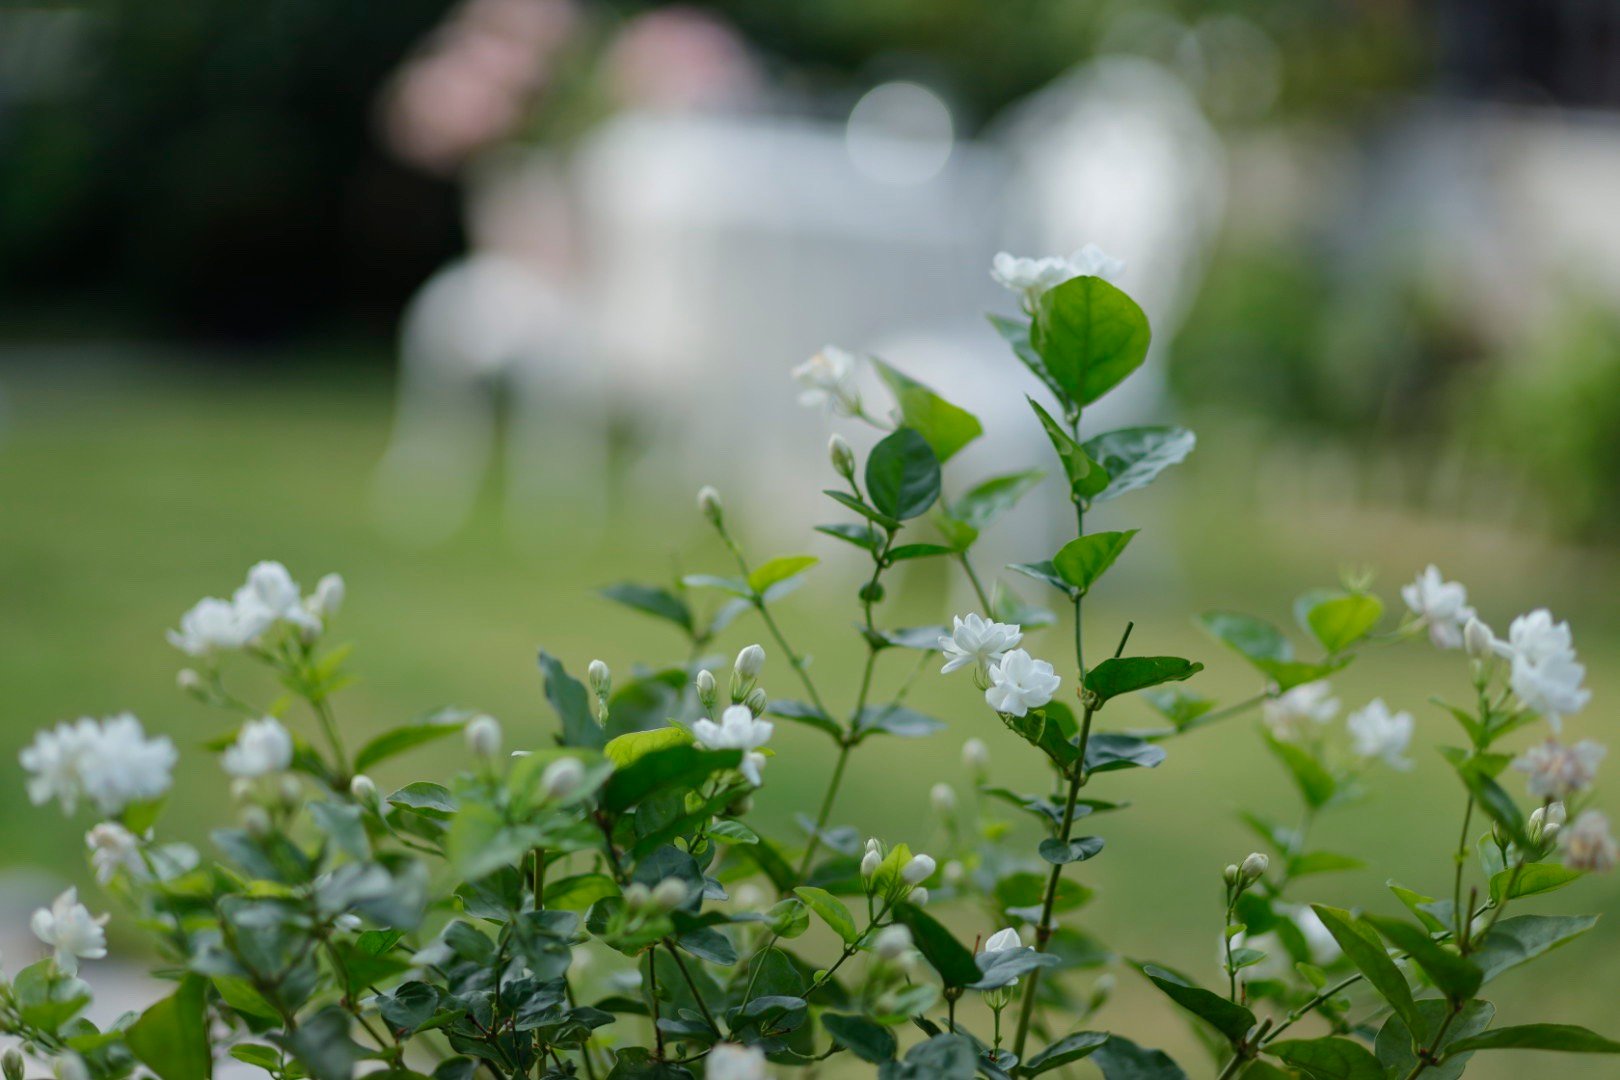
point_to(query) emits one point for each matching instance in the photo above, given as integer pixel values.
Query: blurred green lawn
(128, 492)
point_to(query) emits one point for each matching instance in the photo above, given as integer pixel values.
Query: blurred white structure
(681, 264)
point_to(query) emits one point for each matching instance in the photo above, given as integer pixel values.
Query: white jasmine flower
(1557, 771)
(483, 735)
(1019, 683)
(362, 787)
(1586, 843)
(670, 894)
(1536, 637)
(733, 1061)
(1442, 604)
(828, 378)
(211, 626)
(1551, 687)
(975, 756)
(1376, 732)
(977, 641)
(262, 747)
(114, 848)
(1029, 278)
(327, 598)
(1001, 941)
(918, 870)
(270, 595)
(1289, 714)
(1545, 821)
(68, 927)
(112, 762)
(892, 942)
(738, 729)
(54, 758)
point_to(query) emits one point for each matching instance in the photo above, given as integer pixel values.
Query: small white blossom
(270, 596)
(918, 870)
(1441, 604)
(114, 848)
(1004, 940)
(262, 747)
(1556, 771)
(919, 897)
(1551, 687)
(68, 927)
(1029, 278)
(870, 862)
(749, 897)
(1586, 843)
(892, 942)
(1289, 714)
(54, 758)
(1478, 640)
(977, 641)
(670, 894)
(733, 1061)
(975, 756)
(483, 735)
(738, 729)
(828, 378)
(327, 598)
(1376, 732)
(113, 763)
(1019, 683)
(1545, 821)
(362, 787)
(1536, 637)
(561, 778)
(210, 626)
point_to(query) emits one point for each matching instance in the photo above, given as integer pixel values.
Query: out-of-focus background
(465, 299)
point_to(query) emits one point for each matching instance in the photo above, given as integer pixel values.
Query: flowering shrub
(460, 925)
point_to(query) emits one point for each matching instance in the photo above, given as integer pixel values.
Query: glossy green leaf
(1078, 849)
(1457, 977)
(171, 1037)
(1363, 948)
(1329, 1058)
(1521, 938)
(1084, 560)
(866, 1039)
(1090, 336)
(1315, 783)
(568, 697)
(870, 513)
(1065, 1051)
(397, 741)
(902, 475)
(947, 427)
(948, 956)
(1254, 638)
(1230, 1019)
(1121, 1059)
(779, 569)
(1530, 879)
(1109, 751)
(1044, 572)
(1077, 467)
(1344, 620)
(985, 502)
(801, 712)
(674, 767)
(1015, 332)
(831, 910)
(1394, 1045)
(659, 603)
(1127, 674)
(1568, 1038)
(1131, 458)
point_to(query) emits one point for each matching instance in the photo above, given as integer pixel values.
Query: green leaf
(988, 500)
(1083, 561)
(1566, 1037)
(567, 696)
(1015, 332)
(1522, 938)
(1254, 638)
(1038, 729)
(862, 536)
(1329, 1058)
(1109, 751)
(1367, 953)
(342, 823)
(171, 1037)
(1530, 879)
(907, 552)
(946, 427)
(866, 1039)
(804, 713)
(1344, 620)
(831, 910)
(902, 475)
(675, 767)
(1077, 467)
(1321, 862)
(659, 603)
(1121, 1059)
(393, 743)
(1315, 783)
(1456, 976)
(627, 749)
(579, 892)
(1491, 798)
(949, 957)
(1395, 1045)
(1132, 458)
(323, 1044)
(1230, 1019)
(870, 513)
(1070, 1048)
(1090, 336)
(1044, 571)
(779, 569)
(1127, 674)
(1061, 853)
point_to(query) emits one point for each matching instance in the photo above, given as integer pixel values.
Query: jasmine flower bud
(670, 894)
(919, 896)
(1254, 867)
(708, 500)
(636, 896)
(954, 872)
(600, 677)
(1231, 873)
(364, 790)
(561, 778)
(943, 798)
(189, 681)
(976, 757)
(484, 736)
(870, 862)
(892, 942)
(327, 597)
(256, 820)
(1478, 641)
(918, 870)
(750, 661)
(707, 691)
(11, 1063)
(843, 457)
(757, 701)
(290, 790)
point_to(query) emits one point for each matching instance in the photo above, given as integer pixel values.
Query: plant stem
(697, 995)
(978, 586)
(826, 806)
(1458, 914)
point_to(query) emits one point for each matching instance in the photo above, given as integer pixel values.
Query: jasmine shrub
(594, 900)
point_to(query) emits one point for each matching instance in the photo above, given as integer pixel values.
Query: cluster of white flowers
(1291, 714)
(1556, 771)
(262, 748)
(1014, 681)
(1019, 683)
(734, 1061)
(68, 927)
(828, 379)
(1545, 675)
(1029, 278)
(112, 763)
(1376, 732)
(1441, 604)
(738, 729)
(978, 642)
(269, 597)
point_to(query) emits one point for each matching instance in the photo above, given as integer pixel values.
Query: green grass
(126, 496)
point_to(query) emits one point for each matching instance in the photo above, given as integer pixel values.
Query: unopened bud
(1478, 641)
(943, 798)
(484, 736)
(328, 596)
(892, 942)
(291, 790)
(670, 894)
(749, 897)
(756, 701)
(1255, 866)
(71, 1067)
(637, 896)
(869, 863)
(189, 681)
(918, 870)
(843, 457)
(919, 896)
(750, 662)
(954, 872)
(976, 757)
(12, 1064)
(707, 691)
(561, 778)
(708, 500)
(601, 678)
(256, 820)
(243, 789)
(1231, 873)
(364, 790)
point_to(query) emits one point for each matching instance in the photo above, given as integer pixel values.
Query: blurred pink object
(680, 58)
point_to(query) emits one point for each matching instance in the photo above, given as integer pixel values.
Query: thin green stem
(697, 995)
(826, 808)
(1458, 913)
(978, 586)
